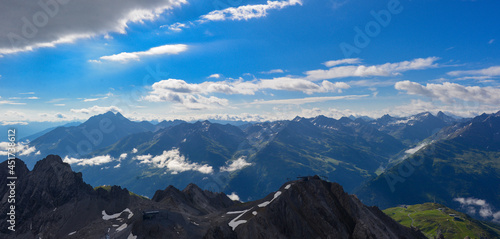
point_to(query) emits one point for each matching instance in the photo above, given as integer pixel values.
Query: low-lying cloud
(235, 165)
(475, 206)
(173, 161)
(98, 160)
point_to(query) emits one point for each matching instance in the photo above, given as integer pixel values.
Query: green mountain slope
(434, 219)
(465, 164)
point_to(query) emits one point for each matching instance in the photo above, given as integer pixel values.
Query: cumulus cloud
(479, 206)
(123, 156)
(173, 161)
(491, 71)
(450, 92)
(386, 69)
(248, 11)
(21, 149)
(235, 165)
(193, 96)
(96, 110)
(136, 56)
(34, 24)
(233, 196)
(98, 160)
(134, 150)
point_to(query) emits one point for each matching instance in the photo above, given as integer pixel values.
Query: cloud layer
(386, 69)
(27, 25)
(451, 92)
(194, 96)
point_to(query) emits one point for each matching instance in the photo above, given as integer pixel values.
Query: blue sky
(247, 60)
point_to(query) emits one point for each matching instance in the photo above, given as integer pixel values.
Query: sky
(253, 60)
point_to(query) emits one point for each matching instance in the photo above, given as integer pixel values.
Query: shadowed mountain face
(54, 202)
(143, 157)
(464, 163)
(97, 132)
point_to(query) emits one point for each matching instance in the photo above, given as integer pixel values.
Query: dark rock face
(313, 209)
(54, 202)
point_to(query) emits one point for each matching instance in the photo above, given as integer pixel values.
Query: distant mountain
(166, 124)
(185, 147)
(38, 134)
(413, 129)
(436, 220)
(97, 132)
(54, 202)
(251, 159)
(345, 151)
(464, 163)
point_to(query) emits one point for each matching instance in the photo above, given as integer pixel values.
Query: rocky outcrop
(312, 208)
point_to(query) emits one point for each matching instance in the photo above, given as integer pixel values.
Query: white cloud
(96, 110)
(300, 101)
(450, 92)
(30, 26)
(136, 56)
(173, 161)
(4, 123)
(9, 102)
(491, 71)
(235, 165)
(233, 196)
(386, 69)
(347, 61)
(98, 160)
(193, 96)
(472, 205)
(216, 76)
(248, 11)
(176, 26)
(123, 156)
(21, 149)
(134, 150)
(274, 71)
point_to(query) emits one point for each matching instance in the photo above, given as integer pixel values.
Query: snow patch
(276, 195)
(288, 186)
(106, 217)
(254, 213)
(131, 236)
(235, 222)
(71, 233)
(121, 227)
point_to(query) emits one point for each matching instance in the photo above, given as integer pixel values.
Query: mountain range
(460, 169)
(57, 203)
(377, 159)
